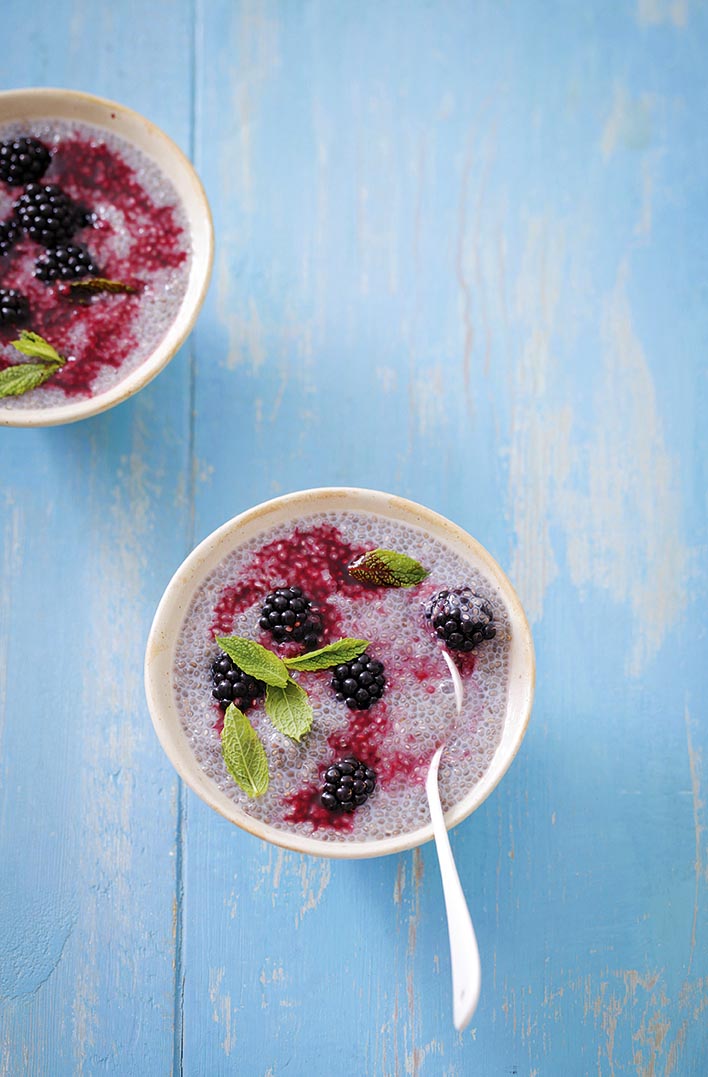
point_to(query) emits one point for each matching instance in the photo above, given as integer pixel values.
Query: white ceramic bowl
(188, 579)
(34, 104)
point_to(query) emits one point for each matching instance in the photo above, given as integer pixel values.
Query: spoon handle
(464, 953)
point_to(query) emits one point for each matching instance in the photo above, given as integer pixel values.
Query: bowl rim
(174, 605)
(161, 355)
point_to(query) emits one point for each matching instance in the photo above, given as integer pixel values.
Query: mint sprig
(20, 378)
(86, 287)
(286, 703)
(37, 347)
(344, 650)
(387, 568)
(289, 710)
(255, 660)
(244, 755)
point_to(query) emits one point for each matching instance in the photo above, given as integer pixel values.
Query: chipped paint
(540, 446)
(246, 339)
(627, 1005)
(399, 885)
(629, 124)
(699, 868)
(255, 38)
(222, 1010)
(387, 377)
(277, 870)
(626, 534)
(649, 178)
(657, 12)
(430, 402)
(5, 1060)
(614, 498)
(231, 904)
(315, 876)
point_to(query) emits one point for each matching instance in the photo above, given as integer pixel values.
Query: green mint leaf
(243, 753)
(386, 568)
(20, 378)
(255, 660)
(344, 650)
(289, 710)
(88, 286)
(37, 348)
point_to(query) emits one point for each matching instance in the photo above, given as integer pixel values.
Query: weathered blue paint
(461, 256)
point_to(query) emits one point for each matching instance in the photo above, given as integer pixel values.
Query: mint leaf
(289, 710)
(20, 378)
(386, 568)
(37, 348)
(84, 289)
(255, 660)
(344, 650)
(243, 753)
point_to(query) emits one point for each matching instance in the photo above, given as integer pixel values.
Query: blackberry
(9, 234)
(14, 307)
(288, 615)
(48, 215)
(65, 263)
(347, 785)
(232, 685)
(359, 683)
(23, 160)
(460, 618)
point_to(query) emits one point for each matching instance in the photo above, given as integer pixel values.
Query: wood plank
(444, 233)
(94, 517)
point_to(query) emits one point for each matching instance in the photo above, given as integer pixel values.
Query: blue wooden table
(461, 255)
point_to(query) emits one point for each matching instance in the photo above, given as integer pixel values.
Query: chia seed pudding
(397, 735)
(134, 231)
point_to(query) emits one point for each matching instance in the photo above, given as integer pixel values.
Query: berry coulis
(317, 558)
(151, 237)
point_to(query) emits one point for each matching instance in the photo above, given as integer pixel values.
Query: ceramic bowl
(204, 559)
(35, 104)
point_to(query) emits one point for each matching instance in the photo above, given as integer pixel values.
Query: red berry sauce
(317, 558)
(305, 806)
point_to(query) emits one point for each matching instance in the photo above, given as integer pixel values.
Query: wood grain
(460, 256)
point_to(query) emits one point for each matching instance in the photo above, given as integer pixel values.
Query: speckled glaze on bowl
(204, 559)
(34, 104)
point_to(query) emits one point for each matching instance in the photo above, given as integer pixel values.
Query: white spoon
(464, 953)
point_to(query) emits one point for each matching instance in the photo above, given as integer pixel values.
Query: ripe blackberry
(359, 683)
(232, 685)
(9, 234)
(14, 307)
(347, 785)
(23, 160)
(65, 263)
(460, 618)
(48, 215)
(288, 615)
